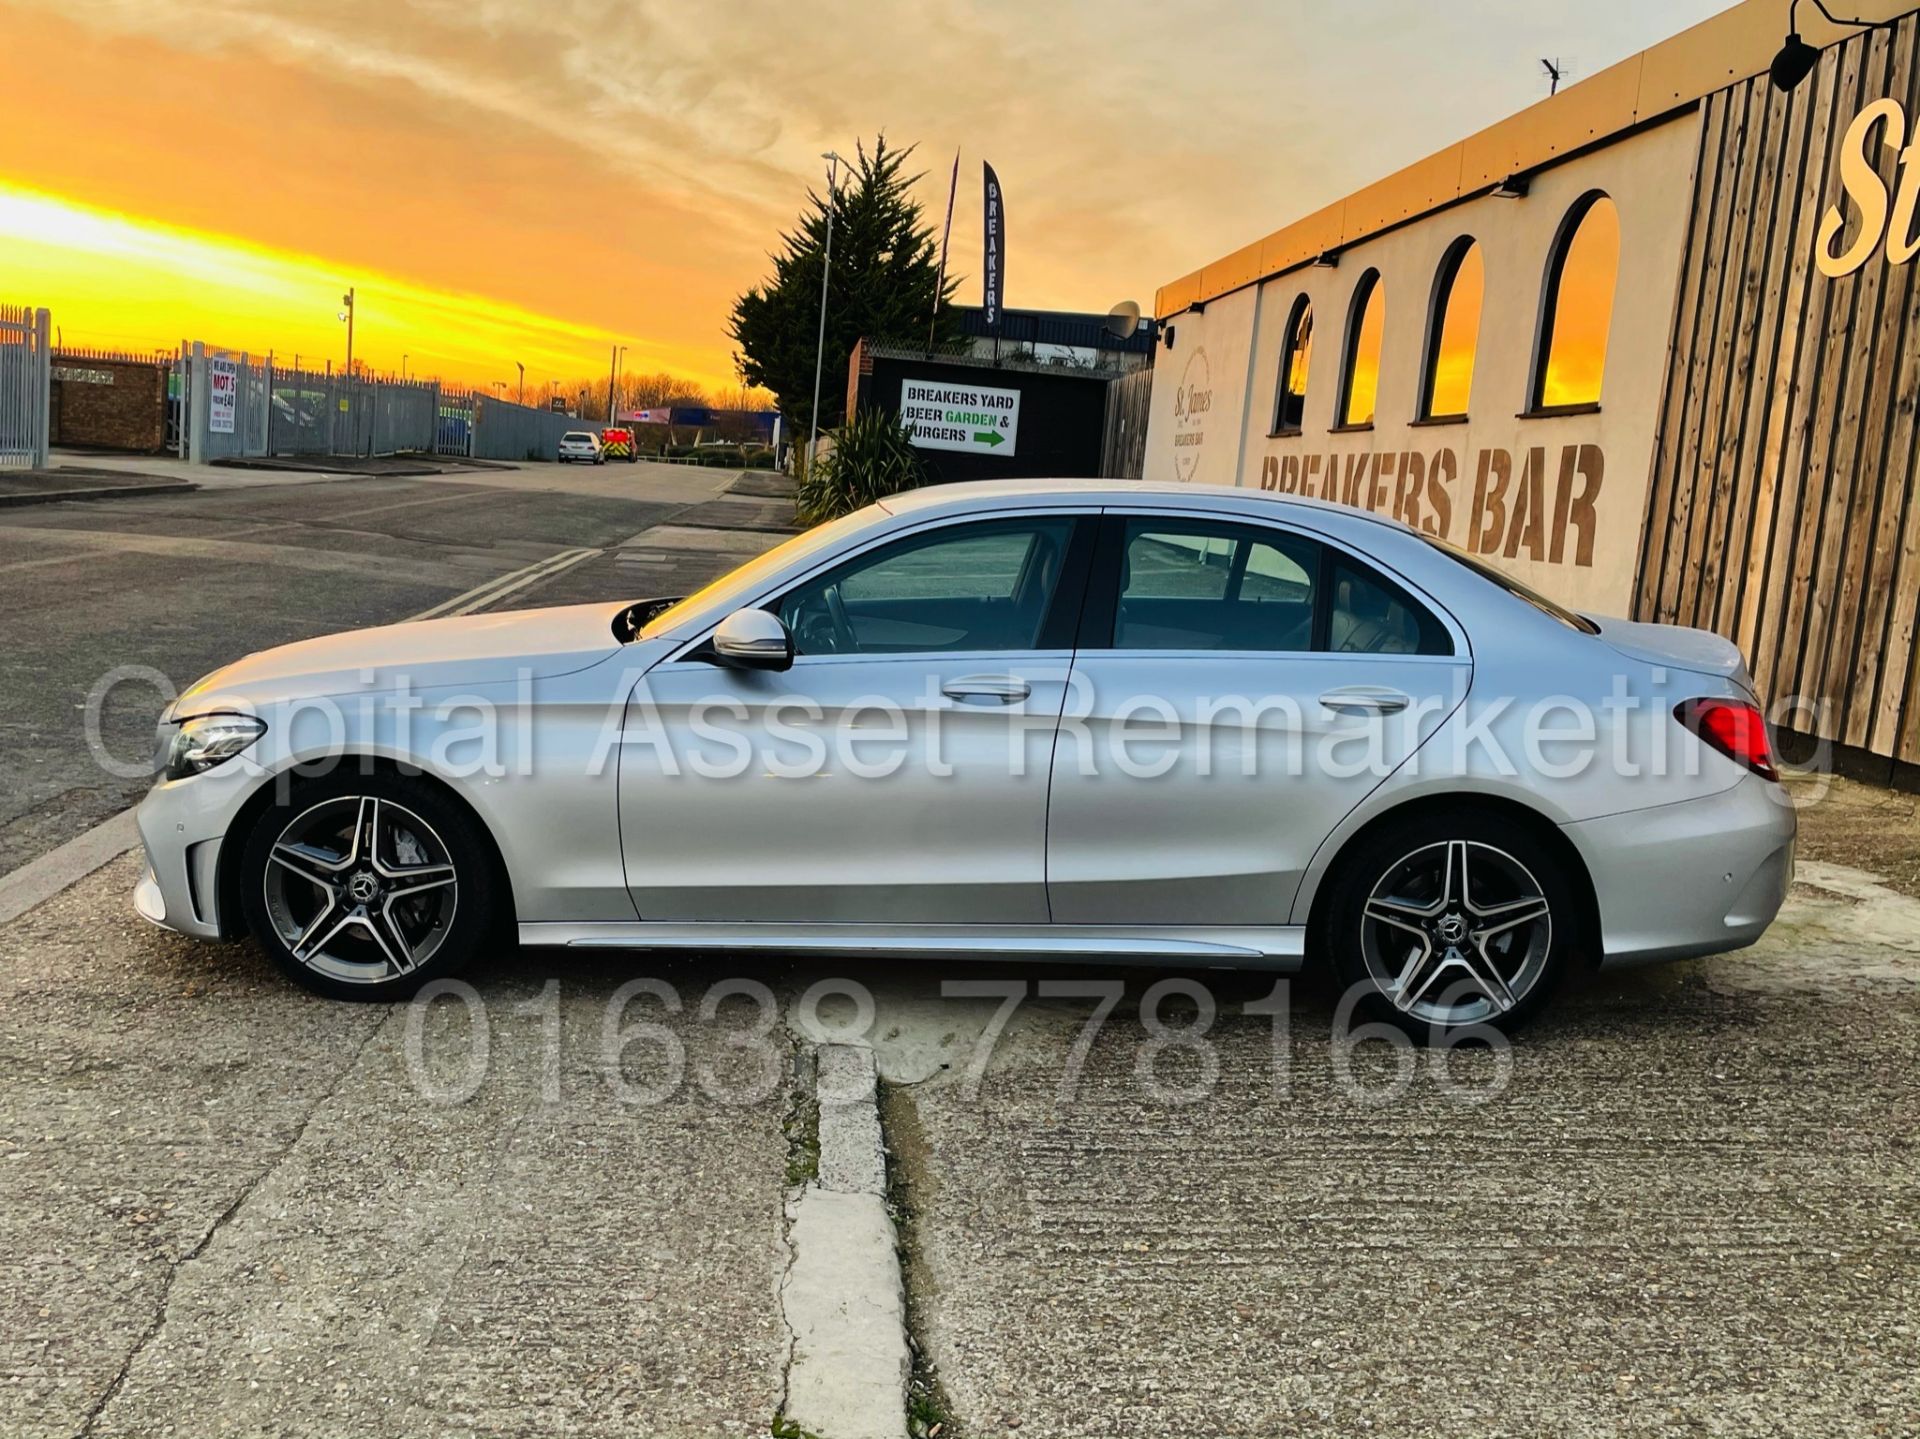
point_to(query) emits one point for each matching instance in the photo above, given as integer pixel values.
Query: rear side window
(1513, 587)
(1215, 585)
(1368, 614)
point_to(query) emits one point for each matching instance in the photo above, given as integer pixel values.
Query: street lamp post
(523, 381)
(820, 345)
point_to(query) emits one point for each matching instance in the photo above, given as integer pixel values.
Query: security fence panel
(321, 413)
(503, 430)
(302, 409)
(229, 403)
(400, 416)
(25, 386)
(453, 426)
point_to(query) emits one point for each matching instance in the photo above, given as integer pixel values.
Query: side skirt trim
(1274, 947)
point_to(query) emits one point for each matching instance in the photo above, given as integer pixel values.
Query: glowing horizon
(122, 282)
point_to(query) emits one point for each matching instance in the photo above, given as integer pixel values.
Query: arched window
(1290, 393)
(1453, 333)
(1576, 306)
(1360, 370)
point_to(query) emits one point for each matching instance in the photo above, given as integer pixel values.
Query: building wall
(1783, 510)
(1557, 500)
(109, 404)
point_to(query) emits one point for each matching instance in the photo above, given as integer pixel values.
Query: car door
(1239, 687)
(897, 772)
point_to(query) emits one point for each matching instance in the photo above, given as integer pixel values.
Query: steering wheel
(843, 640)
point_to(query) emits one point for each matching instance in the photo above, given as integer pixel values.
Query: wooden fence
(1782, 510)
(1123, 445)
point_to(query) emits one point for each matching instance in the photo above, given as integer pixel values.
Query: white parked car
(580, 446)
(1197, 725)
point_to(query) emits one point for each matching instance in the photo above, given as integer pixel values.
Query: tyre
(368, 886)
(1451, 920)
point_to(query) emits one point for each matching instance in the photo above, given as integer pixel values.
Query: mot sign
(970, 418)
(223, 394)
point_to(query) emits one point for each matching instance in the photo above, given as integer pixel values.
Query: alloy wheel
(1456, 933)
(360, 889)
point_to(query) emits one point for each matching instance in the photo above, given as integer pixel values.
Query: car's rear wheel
(367, 886)
(1447, 921)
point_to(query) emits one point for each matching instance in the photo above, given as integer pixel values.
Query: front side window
(960, 588)
(1455, 333)
(1576, 310)
(1360, 372)
(1290, 401)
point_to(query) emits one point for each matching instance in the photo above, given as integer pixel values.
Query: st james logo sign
(1869, 217)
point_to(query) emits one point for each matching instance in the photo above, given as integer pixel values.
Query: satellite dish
(1123, 320)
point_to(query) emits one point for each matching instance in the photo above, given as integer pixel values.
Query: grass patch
(802, 1124)
(929, 1413)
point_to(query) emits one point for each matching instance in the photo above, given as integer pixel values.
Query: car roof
(965, 494)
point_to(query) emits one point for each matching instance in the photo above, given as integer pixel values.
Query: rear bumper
(1700, 877)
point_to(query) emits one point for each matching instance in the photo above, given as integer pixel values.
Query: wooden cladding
(1782, 509)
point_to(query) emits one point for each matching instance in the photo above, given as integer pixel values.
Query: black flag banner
(995, 273)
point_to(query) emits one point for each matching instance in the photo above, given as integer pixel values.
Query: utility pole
(613, 381)
(826, 270)
(347, 315)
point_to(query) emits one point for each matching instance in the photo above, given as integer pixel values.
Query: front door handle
(1365, 702)
(1002, 689)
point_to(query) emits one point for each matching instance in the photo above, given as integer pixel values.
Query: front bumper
(183, 825)
(1699, 877)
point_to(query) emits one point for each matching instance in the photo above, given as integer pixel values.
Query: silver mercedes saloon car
(1099, 720)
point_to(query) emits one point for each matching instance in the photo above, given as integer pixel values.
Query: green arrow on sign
(991, 438)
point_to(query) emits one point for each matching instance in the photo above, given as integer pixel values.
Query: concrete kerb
(843, 1299)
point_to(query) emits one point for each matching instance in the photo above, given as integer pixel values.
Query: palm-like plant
(871, 458)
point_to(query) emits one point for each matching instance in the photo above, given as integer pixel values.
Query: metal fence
(226, 398)
(321, 413)
(234, 406)
(502, 430)
(25, 386)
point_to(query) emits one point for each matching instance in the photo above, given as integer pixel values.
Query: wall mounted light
(1514, 187)
(1326, 260)
(1797, 58)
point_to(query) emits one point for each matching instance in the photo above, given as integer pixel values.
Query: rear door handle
(1003, 689)
(1365, 702)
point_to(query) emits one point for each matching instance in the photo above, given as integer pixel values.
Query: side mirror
(753, 640)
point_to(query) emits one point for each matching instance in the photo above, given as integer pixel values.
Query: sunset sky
(503, 180)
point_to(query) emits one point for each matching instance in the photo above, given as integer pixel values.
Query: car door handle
(1004, 689)
(1365, 702)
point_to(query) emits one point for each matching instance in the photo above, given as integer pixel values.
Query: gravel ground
(230, 1207)
(1692, 1206)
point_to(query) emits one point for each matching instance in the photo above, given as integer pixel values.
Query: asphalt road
(164, 588)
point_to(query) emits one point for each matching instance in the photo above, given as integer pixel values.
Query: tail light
(1733, 727)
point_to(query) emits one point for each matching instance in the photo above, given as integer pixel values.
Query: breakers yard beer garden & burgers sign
(975, 419)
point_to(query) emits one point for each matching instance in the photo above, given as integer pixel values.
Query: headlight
(200, 744)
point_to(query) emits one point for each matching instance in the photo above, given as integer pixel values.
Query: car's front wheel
(1450, 921)
(367, 886)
